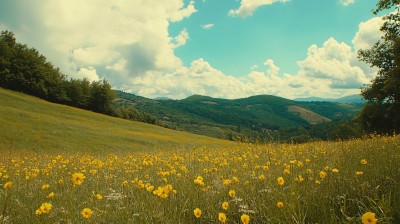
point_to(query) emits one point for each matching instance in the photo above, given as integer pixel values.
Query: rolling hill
(28, 122)
(248, 116)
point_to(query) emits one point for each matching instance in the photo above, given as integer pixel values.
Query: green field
(65, 165)
(27, 122)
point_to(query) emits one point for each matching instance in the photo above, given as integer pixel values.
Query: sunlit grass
(321, 182)
(29, 122)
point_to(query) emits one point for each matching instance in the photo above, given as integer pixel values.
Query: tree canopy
(382, 112)
(25, 70)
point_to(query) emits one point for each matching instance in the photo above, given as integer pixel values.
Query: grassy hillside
(250, 116)
(29, 122)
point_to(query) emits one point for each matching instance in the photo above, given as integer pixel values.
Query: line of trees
(25, 70)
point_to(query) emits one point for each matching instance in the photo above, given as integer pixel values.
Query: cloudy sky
(220, 48)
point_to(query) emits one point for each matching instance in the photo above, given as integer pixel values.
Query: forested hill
(252, 118)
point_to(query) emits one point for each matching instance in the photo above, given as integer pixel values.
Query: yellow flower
(280, 204)
(322, 174)
(335, 170)
(245, 219)
(45, 186)
(99, 197)
(318, 182)
(369, 218)
(232, 193)
(77, 178)
(222, 217)
(86, 213)
(359, 173)
(197, 212)
(7, 185)
(363, 161)
(281, 181)
(51, 195)
(225, 205)
(45, 208)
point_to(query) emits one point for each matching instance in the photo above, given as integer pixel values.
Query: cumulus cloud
(127, 42)
(183, 12)
(207, 26)
(182, 37)
(346, 2)
(119, 40)
(334, 61)
(368, 33)
(273, 69)
(247, 7)
(88, 73)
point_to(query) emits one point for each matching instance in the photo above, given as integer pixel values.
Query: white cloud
(247, 7)
(273, 69)
(182, 37)
(253, 67)
(334, 61)
(120, 40)
(183, 12)
(127, 42)
(346, 2)
(207, 26)
(368, 33)
(89, 73)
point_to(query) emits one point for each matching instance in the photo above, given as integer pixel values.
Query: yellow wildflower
(280, 204)
(86, 213)
(222, 217)
(281, 181)
(99, 197)
(322, 174)
(225, 205)
(335, 170)
(7, 185)
(45, 186)
(359, 173)
(363, 161)
(45, 208)
(245, 219)
(77, 178)
(232, 193)
(51, 195)
(369, 218)
(197, 212)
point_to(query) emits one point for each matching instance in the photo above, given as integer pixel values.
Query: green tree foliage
(101, 97)
(24, 69)
(382, 112)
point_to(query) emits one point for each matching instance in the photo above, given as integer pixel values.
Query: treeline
(343, 129)
(25, 70)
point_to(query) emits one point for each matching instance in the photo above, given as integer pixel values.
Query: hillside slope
(27, 122)
(251, 116)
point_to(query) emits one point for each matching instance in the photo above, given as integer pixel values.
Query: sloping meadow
(321, 182)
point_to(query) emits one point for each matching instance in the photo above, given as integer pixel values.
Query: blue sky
(281, 31)
(220, 48)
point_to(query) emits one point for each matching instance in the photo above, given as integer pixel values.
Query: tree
(382, 111)
(101, 97)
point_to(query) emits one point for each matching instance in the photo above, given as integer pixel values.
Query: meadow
(319, 182)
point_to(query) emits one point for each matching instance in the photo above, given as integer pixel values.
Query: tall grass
(324, 182)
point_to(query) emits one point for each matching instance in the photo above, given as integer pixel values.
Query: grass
(71, 181)
(29, 122)
(324, 182)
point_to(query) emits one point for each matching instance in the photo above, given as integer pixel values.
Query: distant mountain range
(252, 116)
(352, 99)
